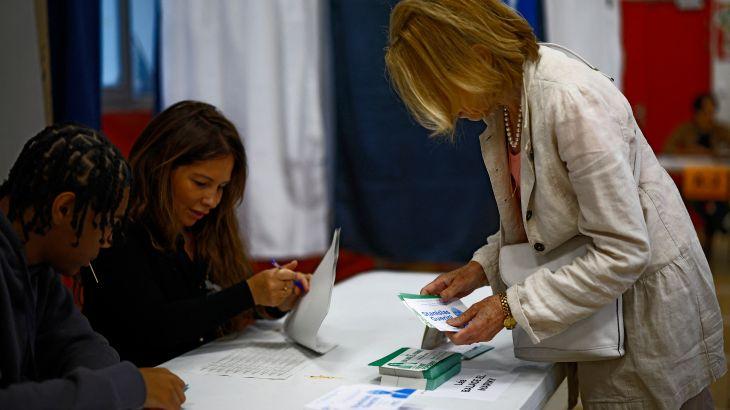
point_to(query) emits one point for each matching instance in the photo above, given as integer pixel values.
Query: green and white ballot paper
(432, 311)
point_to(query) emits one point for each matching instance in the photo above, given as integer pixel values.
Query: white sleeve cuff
(513, 299)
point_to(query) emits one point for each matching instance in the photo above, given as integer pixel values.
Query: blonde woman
(557, 148)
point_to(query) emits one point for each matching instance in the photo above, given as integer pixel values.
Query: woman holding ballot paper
(560, 147)
(181, 277)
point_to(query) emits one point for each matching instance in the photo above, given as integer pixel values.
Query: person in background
(559, 148)
(181, 277)
(702, 135)
(64, 196)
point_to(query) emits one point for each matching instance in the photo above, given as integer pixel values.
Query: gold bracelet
(509, 321)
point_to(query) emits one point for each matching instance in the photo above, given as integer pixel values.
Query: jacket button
(528, 215)
(539, 247)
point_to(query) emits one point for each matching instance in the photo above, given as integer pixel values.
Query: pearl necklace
(513, 141)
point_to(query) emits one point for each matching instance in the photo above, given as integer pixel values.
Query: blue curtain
(399, 194)
(532, 11)
(75, 43)
(157, 72)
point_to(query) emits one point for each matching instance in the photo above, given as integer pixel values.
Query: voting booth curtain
(320, 158)
(398, 193)
(532, 11)
(75, 48)
(262, 63)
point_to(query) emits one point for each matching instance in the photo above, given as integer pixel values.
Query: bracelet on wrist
(509, 321)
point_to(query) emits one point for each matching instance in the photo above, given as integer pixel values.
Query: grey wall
(21, 91)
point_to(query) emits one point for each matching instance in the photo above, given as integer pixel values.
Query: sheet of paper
(433, 339)
(363, 396)
(303, 322)
(475, 384)
(260, 360)
(468, 352)
(432, 311)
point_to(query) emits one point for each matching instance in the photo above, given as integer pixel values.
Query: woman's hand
(273, 287)
(457, 283)
(483, 321)
(292, 300)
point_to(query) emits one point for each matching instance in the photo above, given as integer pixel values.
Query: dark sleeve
(138, 305)
(187, 319)
(119, 386)
(65, 340)
(79, 368)
(269, 313)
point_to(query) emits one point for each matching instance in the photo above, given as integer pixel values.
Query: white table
(677, 163)
(367, 321)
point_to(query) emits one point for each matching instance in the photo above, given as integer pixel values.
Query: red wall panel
(123, 128)
(667, 63)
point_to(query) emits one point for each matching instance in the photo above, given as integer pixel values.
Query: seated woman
(180, 277)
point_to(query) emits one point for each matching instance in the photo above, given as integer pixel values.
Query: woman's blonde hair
(183, 134)
(431, 55)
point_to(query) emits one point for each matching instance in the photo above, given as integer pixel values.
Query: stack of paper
(418, 368)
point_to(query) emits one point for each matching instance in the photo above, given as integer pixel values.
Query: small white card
(363, 396)
(475, 384)
(432, 311)
(468, 352)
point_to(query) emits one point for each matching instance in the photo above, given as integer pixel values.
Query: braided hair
(66, 158)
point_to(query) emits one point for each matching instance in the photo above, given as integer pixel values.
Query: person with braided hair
(65, 196)
(181, 277)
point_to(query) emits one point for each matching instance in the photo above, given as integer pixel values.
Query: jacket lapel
(527, 159)
(494, 153)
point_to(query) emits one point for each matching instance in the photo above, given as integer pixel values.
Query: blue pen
(298, 283)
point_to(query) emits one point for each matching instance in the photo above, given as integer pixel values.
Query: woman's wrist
(478, 270)
(268, 313)
(255, 291)
(509, 321)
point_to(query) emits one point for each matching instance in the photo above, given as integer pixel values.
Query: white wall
(592, 28)
(21, 95)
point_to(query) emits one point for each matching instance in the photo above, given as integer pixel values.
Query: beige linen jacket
(578, 142)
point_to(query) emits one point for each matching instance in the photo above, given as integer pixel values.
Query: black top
(49, 356)
(154, 305)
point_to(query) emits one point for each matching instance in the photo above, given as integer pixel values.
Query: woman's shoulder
(556, 71)
(558, 82)
(134, 244)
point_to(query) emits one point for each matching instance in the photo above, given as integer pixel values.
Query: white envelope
(303, 322)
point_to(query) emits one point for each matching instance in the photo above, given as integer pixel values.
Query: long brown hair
(185, 133)
(431, 54)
